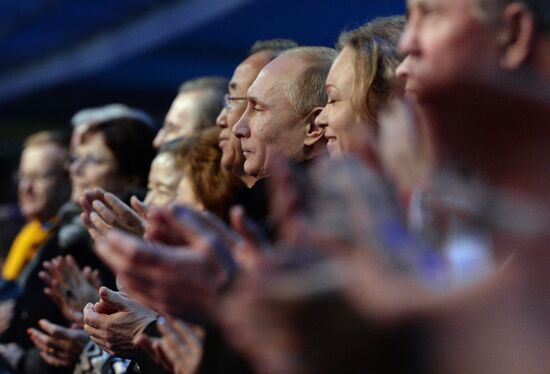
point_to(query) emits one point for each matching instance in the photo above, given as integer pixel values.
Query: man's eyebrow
(255, 100)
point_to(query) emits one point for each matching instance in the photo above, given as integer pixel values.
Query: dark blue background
(33, 33)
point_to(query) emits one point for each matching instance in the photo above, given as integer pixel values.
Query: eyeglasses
(227, 100)
(90, 159)
(35, 178)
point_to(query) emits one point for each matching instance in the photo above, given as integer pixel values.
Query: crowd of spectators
(381, 206)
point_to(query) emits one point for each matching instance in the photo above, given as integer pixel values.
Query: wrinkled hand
(6, 314)
(244, 239)
(179, 349)
(59, 346)
(185, 282)
(69, 287)
(115, 320)
(103, 212)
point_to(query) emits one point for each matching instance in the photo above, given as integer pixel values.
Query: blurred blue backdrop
(61, 55)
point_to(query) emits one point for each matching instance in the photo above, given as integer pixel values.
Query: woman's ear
(517, 35)
(314, 132)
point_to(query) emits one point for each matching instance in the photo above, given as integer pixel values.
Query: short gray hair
(308, 90)
(213, 88)
(111, 112)
(204, 83)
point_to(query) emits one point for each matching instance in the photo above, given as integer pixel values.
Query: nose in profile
(221, 121)
(241, 128)
(159, 139)
(322, 119)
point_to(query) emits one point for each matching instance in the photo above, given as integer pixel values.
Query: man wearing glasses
(195, 108)
(261, 53)
(282, 104)
(43, 186)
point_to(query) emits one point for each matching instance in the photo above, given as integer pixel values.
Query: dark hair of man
(275, 46)
(131, 141)
(213, 88)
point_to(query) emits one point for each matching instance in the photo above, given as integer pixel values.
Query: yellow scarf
(23, 249)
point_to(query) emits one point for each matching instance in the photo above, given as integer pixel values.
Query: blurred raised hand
(180, 347)
(59, 346)
(184, 280)
(6, 314)
(103, 212)
(69, 287)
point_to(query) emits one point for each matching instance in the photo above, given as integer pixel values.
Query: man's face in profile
(182, 118)
(244, 75)
(164, 179)
(270, 127)
(43, 182)
(445, 41)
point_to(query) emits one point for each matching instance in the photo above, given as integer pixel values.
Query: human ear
(517, 35)
(314, 132)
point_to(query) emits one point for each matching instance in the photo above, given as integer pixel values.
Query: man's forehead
(40, 156)
(38, 150)
(248, 70)
(267, 86)
(287, 62)
(258, 60)
(274, 77)
(184, 104)
(186, 98)
(244, 75)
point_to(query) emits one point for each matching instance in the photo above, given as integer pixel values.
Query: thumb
(245, 227)
(139, 207)
(285, 201)
(113, 299)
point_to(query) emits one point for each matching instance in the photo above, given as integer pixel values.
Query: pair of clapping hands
(193, 252)
(115, 322)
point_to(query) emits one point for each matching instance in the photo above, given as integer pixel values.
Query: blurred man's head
(261, 53)
(282, 105)
(43, 178)
(449, 41)
(164, 176)
(115, 155)
(85, 118)
(196, 107)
